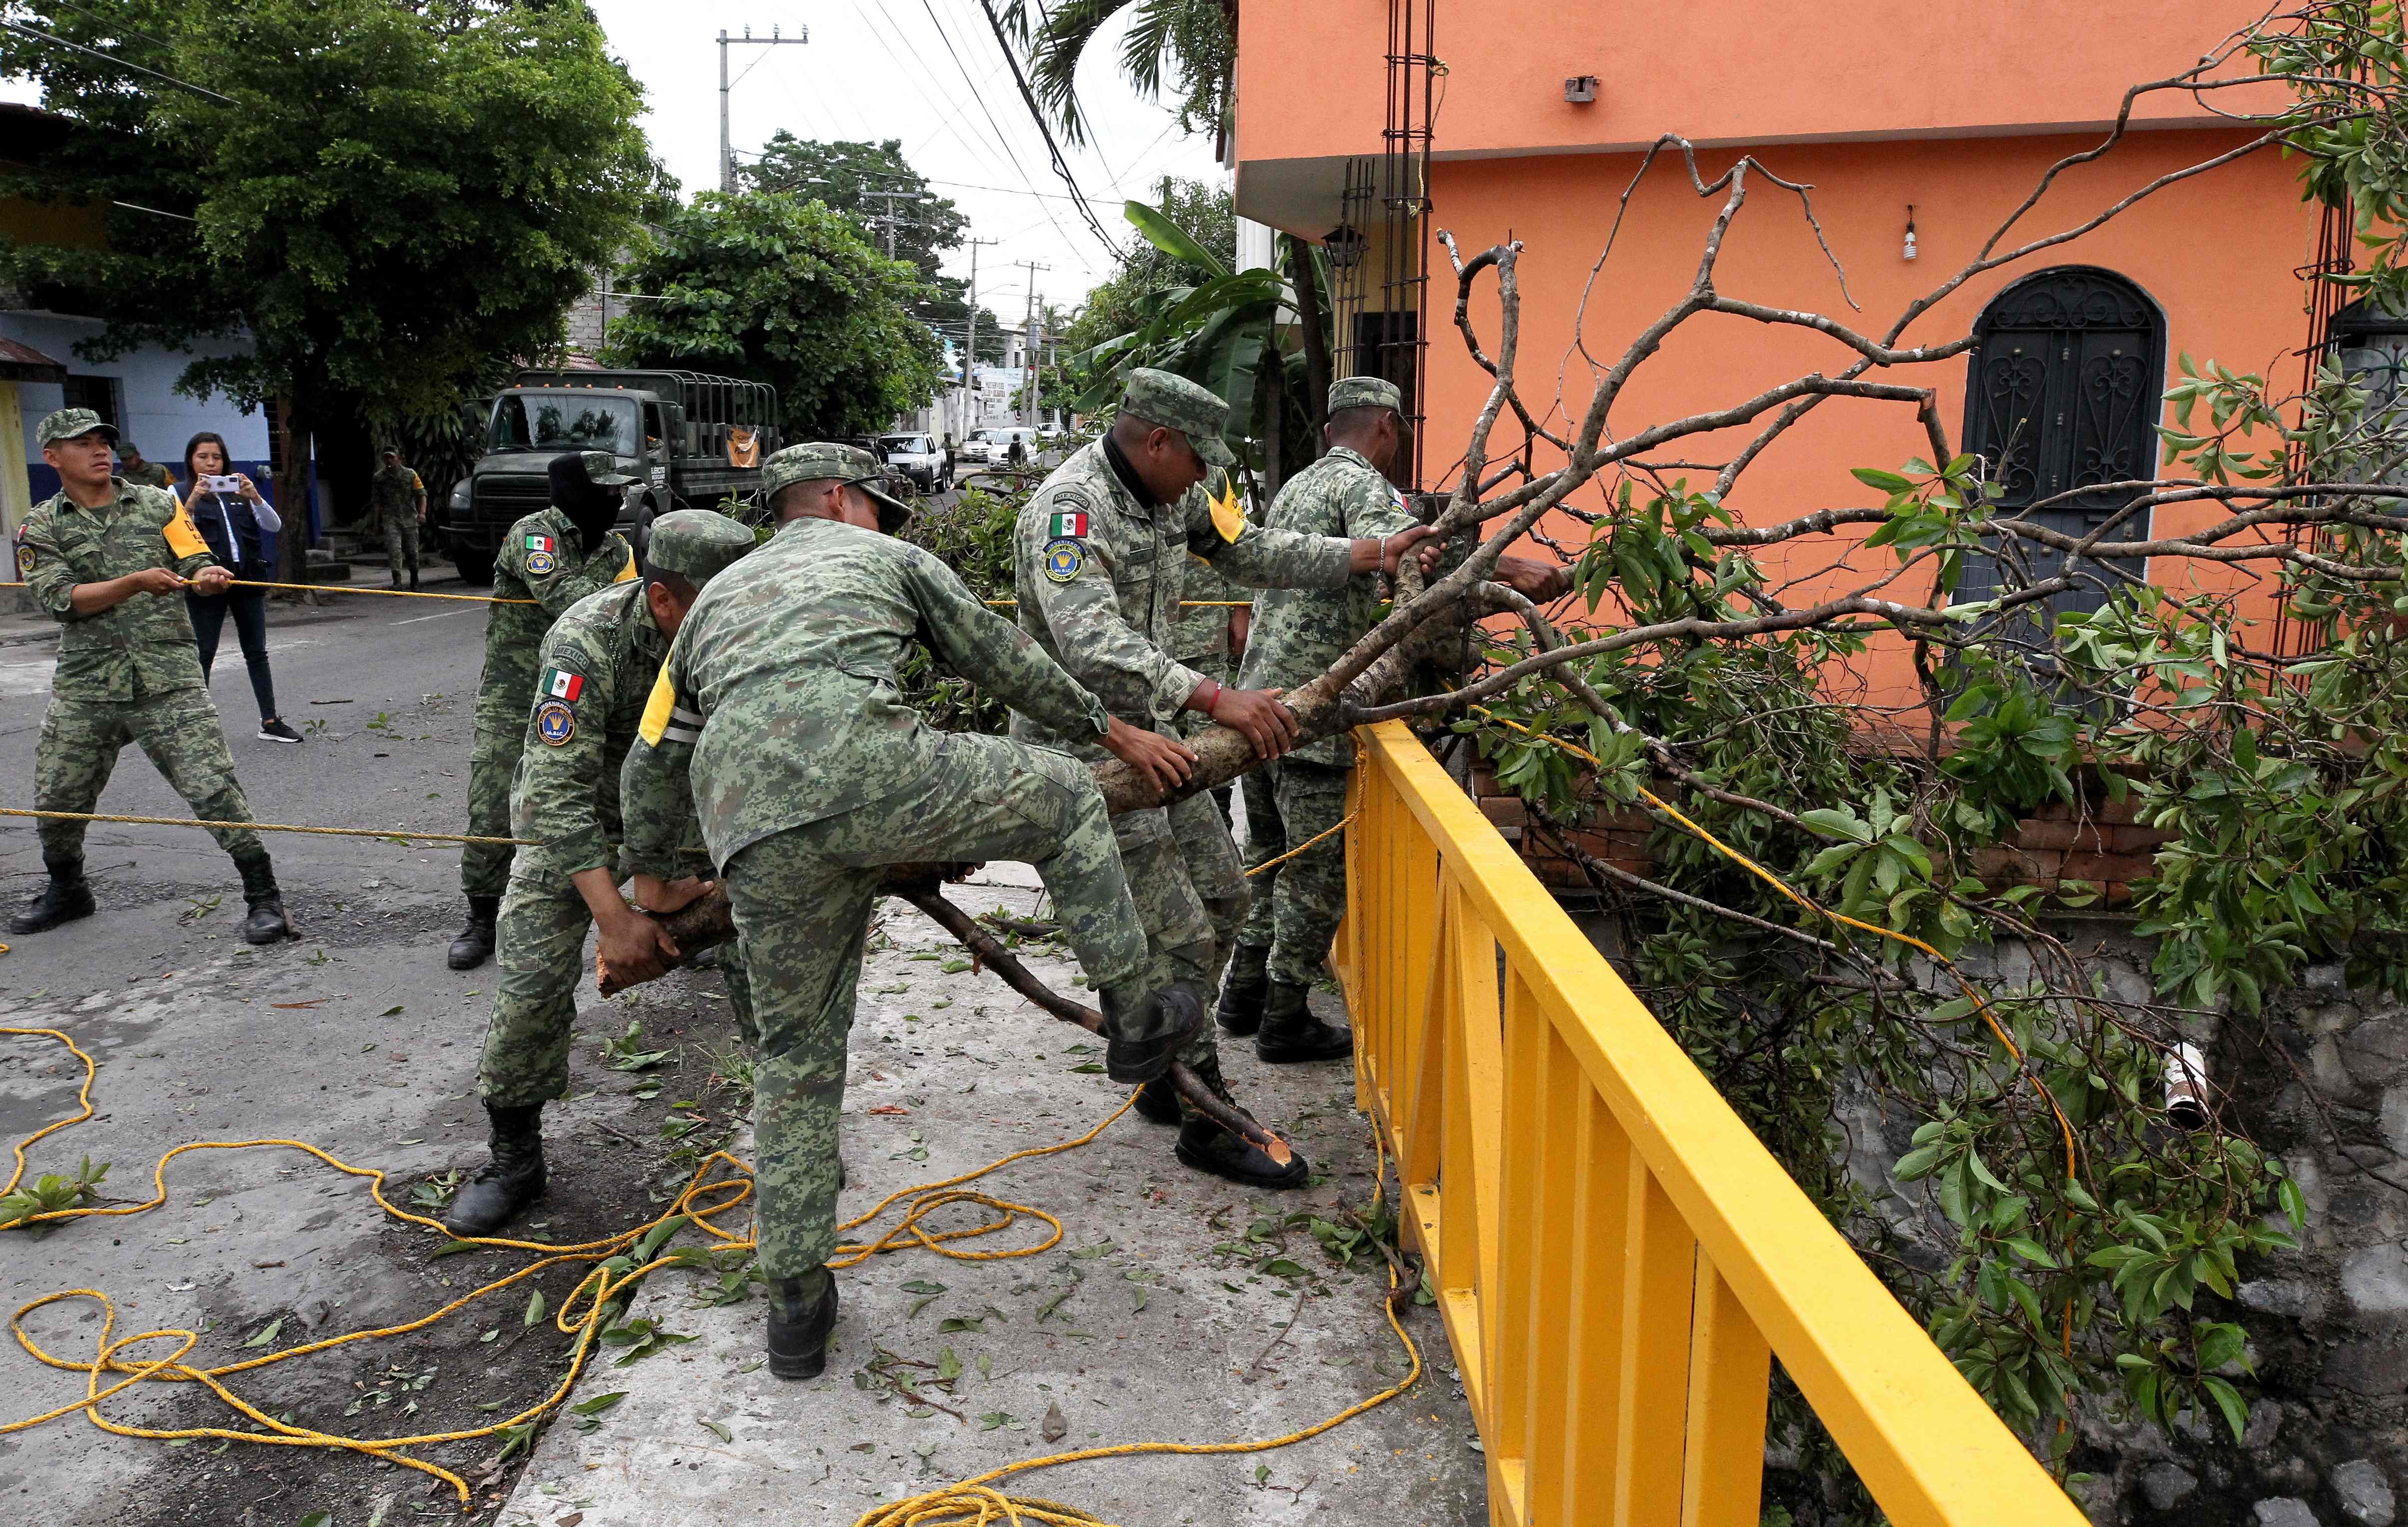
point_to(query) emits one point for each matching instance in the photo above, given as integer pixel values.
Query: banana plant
(1223, 330)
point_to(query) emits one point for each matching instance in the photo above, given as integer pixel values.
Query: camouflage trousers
(492, 759)
(400, 540)
(1299, 904)
(802, 900)
(179, 730)
(1184, 869)
(539, 946)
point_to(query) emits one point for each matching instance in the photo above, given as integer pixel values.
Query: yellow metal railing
(1616, 1257)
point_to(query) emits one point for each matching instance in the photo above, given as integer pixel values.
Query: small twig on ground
(1255, 1370)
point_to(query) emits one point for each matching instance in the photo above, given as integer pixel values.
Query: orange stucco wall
(1310, 76)
(2218, 254)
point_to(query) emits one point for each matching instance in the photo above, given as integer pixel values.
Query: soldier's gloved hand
(661, 898)
(1536, 581)
(1166, 762)
(1258, 714)
(632, 948)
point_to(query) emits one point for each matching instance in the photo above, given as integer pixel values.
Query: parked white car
(918, 459)
(998, 447)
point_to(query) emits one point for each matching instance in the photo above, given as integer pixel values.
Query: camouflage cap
(602, 470)
(1365, 393)
(697, 545)
(1176, 403)
(821, 460)
(71, 424)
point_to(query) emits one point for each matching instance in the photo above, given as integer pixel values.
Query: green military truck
(692, 439)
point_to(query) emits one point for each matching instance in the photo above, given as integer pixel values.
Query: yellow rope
(1326, 831)
(1817, 909)
(268, 827)
(704, 1198)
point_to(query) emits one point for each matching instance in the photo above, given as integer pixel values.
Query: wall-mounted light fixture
(1345, 246)
(1580, 89)
(1909, 250)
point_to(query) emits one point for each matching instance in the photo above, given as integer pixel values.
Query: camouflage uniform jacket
(1100, 575)
(781, 691)
(1297, 633)
(539, 559)
(148, 475)
(394, 491)
(1201, 639)
(593, 672)
(143, 646)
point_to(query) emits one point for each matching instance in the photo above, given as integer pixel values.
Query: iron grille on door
(2063, 397)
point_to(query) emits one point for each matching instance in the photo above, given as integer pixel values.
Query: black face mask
(590, 507)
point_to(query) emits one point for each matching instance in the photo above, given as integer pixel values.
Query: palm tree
(1190, 46)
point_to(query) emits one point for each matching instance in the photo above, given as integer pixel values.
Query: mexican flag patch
(560, 684)
(541, 543)
(1073, 524)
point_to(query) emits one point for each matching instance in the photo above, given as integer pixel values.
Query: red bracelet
(1211, 705)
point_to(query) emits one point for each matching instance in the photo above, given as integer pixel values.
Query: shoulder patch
(560, 684)
(24, 556)
(539, 562)
(554, 722)
(1070, 522)
(1064, 560)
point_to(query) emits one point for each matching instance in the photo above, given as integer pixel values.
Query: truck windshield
(905, 444)
(566, 420)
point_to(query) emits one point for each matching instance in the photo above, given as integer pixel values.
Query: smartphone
(230, 484)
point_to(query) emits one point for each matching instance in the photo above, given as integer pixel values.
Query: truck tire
(475, 566)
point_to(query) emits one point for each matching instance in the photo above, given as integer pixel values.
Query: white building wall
(153, 414)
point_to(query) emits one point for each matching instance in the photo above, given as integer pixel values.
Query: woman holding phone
(240, 527)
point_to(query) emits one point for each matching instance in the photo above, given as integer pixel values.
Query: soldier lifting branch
(779, 720)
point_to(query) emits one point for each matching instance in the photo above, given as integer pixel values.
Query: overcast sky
(875, 69)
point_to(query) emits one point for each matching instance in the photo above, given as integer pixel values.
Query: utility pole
(970, 355)
(1028, 345)
(727, 149)
(889, 219)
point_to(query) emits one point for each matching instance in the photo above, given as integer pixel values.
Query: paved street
(1159, 1316)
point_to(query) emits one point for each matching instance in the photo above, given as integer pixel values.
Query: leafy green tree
(1187, 48)
(381, 199)
(855, 179)
(773, 288)
(1143, 270)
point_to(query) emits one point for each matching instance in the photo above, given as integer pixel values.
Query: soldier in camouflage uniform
(1103, 550)
(1297, 635)
(548, 562)
(595, 671)
(107, 558)
(399, 500)
(778, 714)
(133, 469)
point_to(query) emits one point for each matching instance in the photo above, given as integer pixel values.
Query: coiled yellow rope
(580, 1315)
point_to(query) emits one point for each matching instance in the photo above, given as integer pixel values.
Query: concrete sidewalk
(1159, 1316)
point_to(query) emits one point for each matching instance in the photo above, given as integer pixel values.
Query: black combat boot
(475, 945)
(1140, 1035)
(1206, 1146)
(802, 1316)
(1242, 990)
(513, 1176)
(1290, 1032)
(67, 897)
(266, 922)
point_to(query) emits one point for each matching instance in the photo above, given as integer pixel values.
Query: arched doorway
(2064, 395)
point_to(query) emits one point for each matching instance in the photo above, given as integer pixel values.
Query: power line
(945, 119)
(35, 33)
(999, 137)
(1036, 115)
